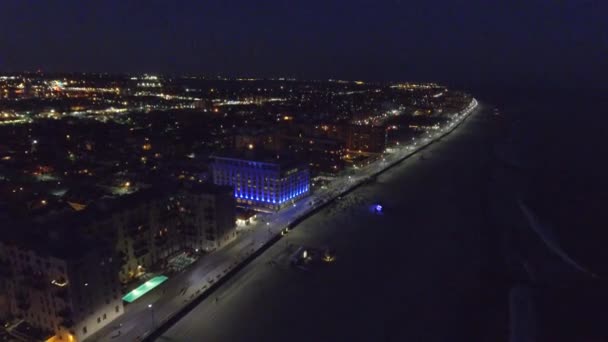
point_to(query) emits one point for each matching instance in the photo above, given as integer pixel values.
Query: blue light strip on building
(292, 195)
(246, 179)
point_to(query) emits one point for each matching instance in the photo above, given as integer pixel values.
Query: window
(117, 308)
(98, 319)
(104, 317)
(84, 330)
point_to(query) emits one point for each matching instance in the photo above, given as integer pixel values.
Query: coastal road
(139, 318)
(413, 273)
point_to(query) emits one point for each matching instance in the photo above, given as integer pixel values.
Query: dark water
(552, 158)
(557, 142)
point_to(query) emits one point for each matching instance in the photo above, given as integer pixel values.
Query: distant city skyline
(147, 174)
(477, 43)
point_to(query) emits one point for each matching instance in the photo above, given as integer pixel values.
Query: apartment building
(64, 276)
(152, 225)
(63, 284)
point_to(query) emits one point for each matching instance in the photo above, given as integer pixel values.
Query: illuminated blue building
(269, 182)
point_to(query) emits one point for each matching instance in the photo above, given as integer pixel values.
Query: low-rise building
(324, 155)
(366, 139)
(261, 139)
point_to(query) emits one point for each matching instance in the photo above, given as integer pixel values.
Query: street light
(152, 313)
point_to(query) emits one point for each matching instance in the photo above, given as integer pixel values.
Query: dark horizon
(536, 44)
(464, 205)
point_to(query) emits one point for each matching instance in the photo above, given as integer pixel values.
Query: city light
(156, 173)
(60, 283)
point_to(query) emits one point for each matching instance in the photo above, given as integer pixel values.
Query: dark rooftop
(62, 236)
(284, 161)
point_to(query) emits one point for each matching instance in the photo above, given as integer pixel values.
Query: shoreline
(166, 324)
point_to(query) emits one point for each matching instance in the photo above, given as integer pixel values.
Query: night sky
(456, 42)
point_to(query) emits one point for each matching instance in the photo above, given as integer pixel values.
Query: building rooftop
(58, 239)
(63, 235)
(207, 188)
(284, 161)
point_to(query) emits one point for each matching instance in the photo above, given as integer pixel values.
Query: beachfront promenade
(158, 309)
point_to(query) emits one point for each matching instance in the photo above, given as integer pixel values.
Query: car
(329, 255)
